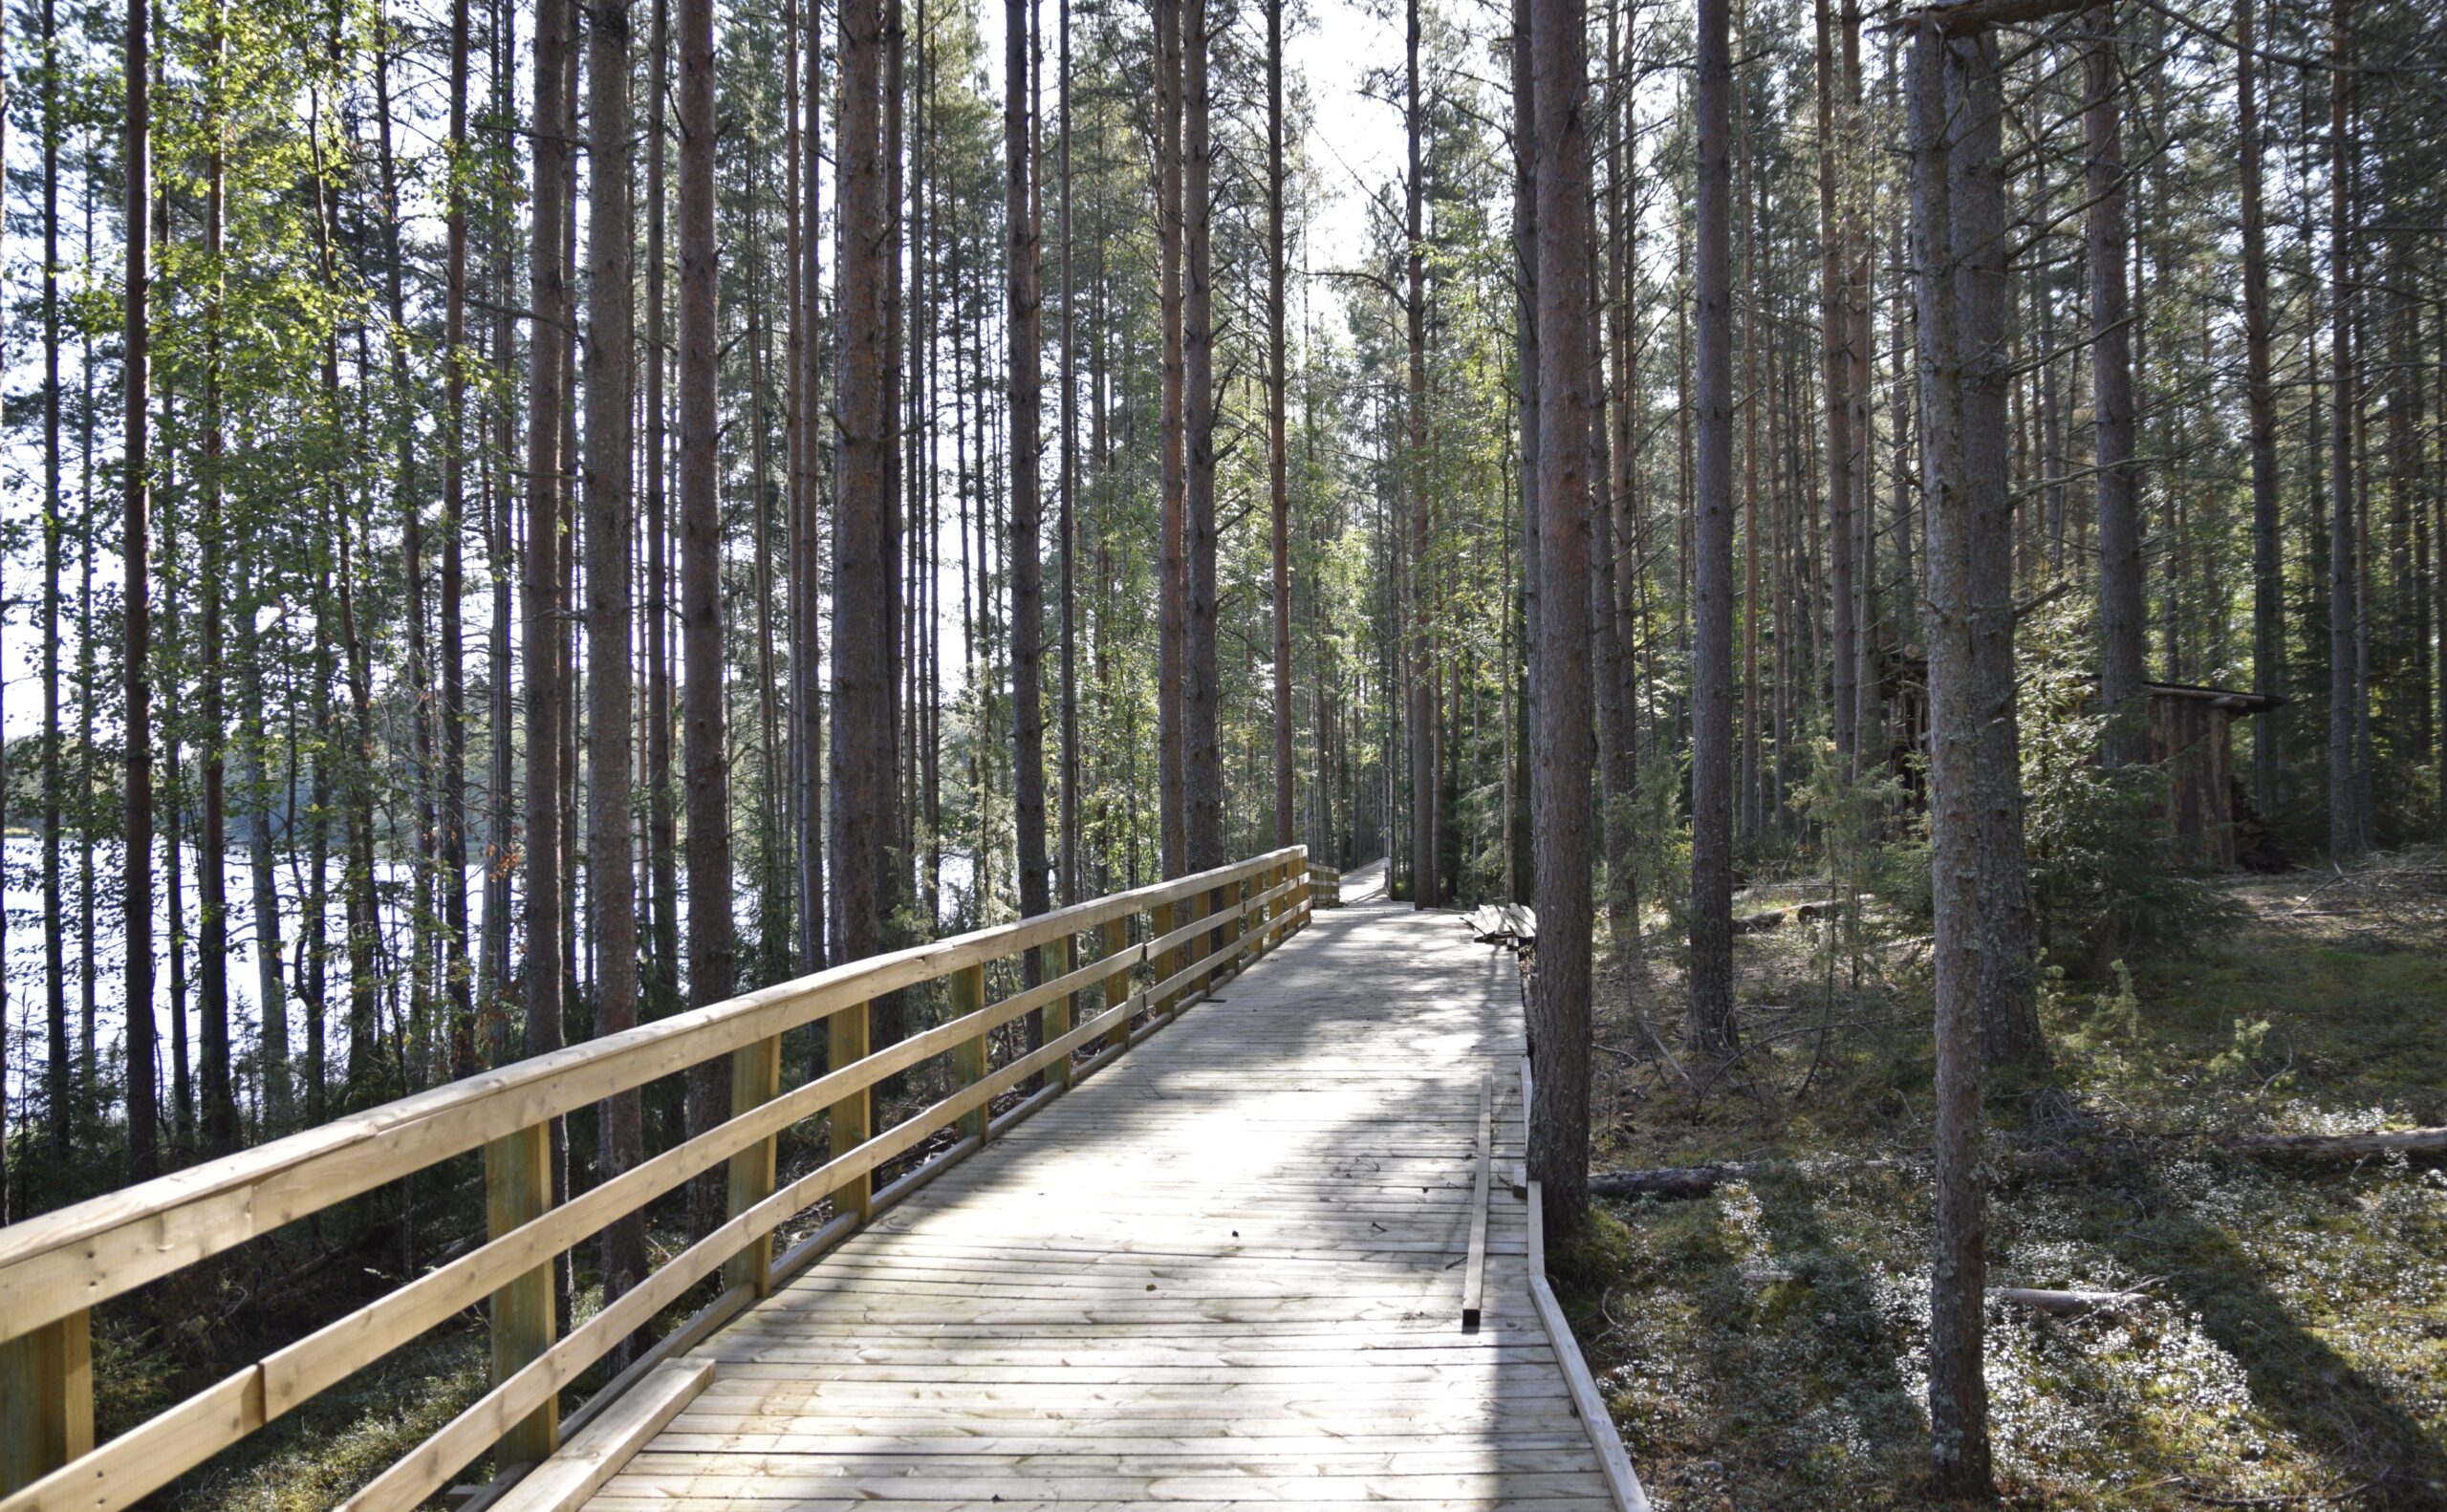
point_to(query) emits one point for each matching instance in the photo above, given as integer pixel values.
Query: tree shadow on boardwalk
(1227, 1267)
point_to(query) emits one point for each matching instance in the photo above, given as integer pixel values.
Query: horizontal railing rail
(56, 1268)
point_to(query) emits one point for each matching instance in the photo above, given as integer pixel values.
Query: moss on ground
(1767, 1348)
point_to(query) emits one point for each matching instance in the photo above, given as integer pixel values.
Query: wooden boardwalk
(1229, 1269)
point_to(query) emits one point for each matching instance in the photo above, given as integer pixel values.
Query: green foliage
(1659, 852)
(2102, 879)
(1847, 812)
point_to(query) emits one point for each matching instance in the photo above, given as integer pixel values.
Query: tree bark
(705, 749)
(219, 1106)
(541, 966)
(1426, 890)
(611, 535)
(2268, 568)
(1710, 1028)
(1278, 461)
(1958, 1390)
(1072, 891)
(2008, 1000)
(1559, 1007)
(1171, 627)
(2121, 623)
(1522, 859)
(136, 545)
(1201, 695)
(2346, 826)
(1026, 303)
(1835, 341)
(863, 548)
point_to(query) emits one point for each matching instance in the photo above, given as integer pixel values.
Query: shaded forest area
(1916, 539)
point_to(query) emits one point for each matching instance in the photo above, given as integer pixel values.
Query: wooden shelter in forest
(2210, 817)
(2211, 822)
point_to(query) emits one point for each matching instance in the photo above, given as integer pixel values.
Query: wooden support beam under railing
(46, 1399)
(852, 1119)
(518, 1190)
(1115, 934)
(755, 1079)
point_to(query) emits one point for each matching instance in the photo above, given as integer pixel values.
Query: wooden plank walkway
(1229, 1269)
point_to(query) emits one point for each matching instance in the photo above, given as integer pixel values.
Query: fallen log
(2070, 1304)
(2343, 1147)
(1683, 1183)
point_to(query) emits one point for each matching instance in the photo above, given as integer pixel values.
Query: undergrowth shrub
(2104, 886)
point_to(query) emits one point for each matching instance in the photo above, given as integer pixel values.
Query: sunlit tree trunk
(2121, 622)
(1958, 1390)
(1559, 1007)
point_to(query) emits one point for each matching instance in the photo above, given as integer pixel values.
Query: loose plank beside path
(1228, 1269)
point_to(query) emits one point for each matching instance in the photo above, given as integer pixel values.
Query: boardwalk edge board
(1587, 1401)
(606, 1446)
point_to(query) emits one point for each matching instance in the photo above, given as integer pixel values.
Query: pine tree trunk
(1172, 621)
(543, 914)
(1202, 694)
(2344, 606)
(1710, 1030)
(1278, 468)
(55, 918)
(863, 547)
(2008, 1001)
(1559, 1009)
(1957, 1391)
(1835, 341)
(1522, 860)
(2121, 622)
(1025, 294)
(136, 832)
(706, 751)
(1069, 522)
(453, 811)
(662, 828)
(611, 385)
(1425, 891)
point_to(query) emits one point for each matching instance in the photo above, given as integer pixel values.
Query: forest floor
(1765, 1346)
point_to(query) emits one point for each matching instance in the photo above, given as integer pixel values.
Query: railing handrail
(318, 1158)
(55, 1267)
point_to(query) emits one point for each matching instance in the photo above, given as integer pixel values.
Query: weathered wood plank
(1221, 1271)
(1474, 1274)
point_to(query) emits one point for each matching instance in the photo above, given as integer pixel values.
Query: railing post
(968, 1056)
(1117, 939)
(845, 1044)
(755, 1077)
(1161, 921)
(1194, 908)
(45, 1400)
(1057, 960)
(1227, 938)
(518, 1190)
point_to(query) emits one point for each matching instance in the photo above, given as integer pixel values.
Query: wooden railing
(1324, 887)
(56, 1268)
